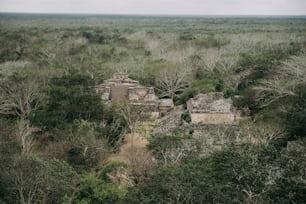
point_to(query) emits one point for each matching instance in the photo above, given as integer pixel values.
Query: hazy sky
(187, 7)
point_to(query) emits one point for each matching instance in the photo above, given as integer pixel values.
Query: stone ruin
(121, 88)
(211, 108)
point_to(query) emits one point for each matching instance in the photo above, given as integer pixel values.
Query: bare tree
(211, 58)
(142, 163)
(24, 133)
(283, 83)
(171, 81)
(258, 134)
(226, 66)
(34, 180)
(173, 155)
(19, 96)
(295, 67)
(271, 91)
(171, 148)
(133, 115)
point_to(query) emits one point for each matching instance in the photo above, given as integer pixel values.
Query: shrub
(186, 117)
(186, 36)
(222, 177)
(296, 115)
(96, 190)
(262, 62)
(69, 98)
(209, 82)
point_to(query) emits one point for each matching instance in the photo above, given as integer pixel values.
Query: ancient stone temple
(211, 108)
(121, 88)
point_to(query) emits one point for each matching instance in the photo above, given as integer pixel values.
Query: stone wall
(211, 108)
(212, 118)
(210, 102)
(120, 88)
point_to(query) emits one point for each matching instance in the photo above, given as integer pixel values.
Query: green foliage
(13, 46)
(3, 193)
(290, 187)
(69, 98)
(247, 99)
(170, 147)
(262, 62)
(102, 193)
(95, 37)
(35, 180)
(9, 149)
(296, 115)
(87, 146)
(207, 82)
(9, 146)
(152, 68)
(220, 178)
(93, 189)
(211, 41)
(82, 158)
(114, 125)
(109, 169)
(74, 81)
(72, 115)
(186, 36)
(186, 117)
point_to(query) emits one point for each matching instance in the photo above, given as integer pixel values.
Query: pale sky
(151, 7)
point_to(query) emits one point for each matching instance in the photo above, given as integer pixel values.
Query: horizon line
(153, 14)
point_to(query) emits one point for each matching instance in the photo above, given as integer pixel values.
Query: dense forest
(59, 142)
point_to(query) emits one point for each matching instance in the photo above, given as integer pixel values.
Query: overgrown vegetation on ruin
(57, 137)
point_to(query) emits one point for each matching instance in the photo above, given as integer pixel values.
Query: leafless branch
(19, 97)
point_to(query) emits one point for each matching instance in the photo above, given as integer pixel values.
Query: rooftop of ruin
(213, 102)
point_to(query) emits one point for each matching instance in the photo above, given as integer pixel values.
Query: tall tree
(33, 180)
(133, 115)
(19, 96)
(171, 81)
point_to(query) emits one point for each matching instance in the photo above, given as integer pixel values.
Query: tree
(171, 81)
(87, 148)
(170, 148)
(24, 133)
(9, 149)
(142, 164)
(34, 180)
(112, 126)
(236, 174)
(19, 96)
(133, 115)
(69, 98)
(291, 184)
(101, 187)
(296, 113)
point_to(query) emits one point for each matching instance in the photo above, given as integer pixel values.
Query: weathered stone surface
(169, 122)
(213, 118)
(121, 88)
(166, 102)
(165, 106)
(210, 102)
(211, 108)
(106, 94)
